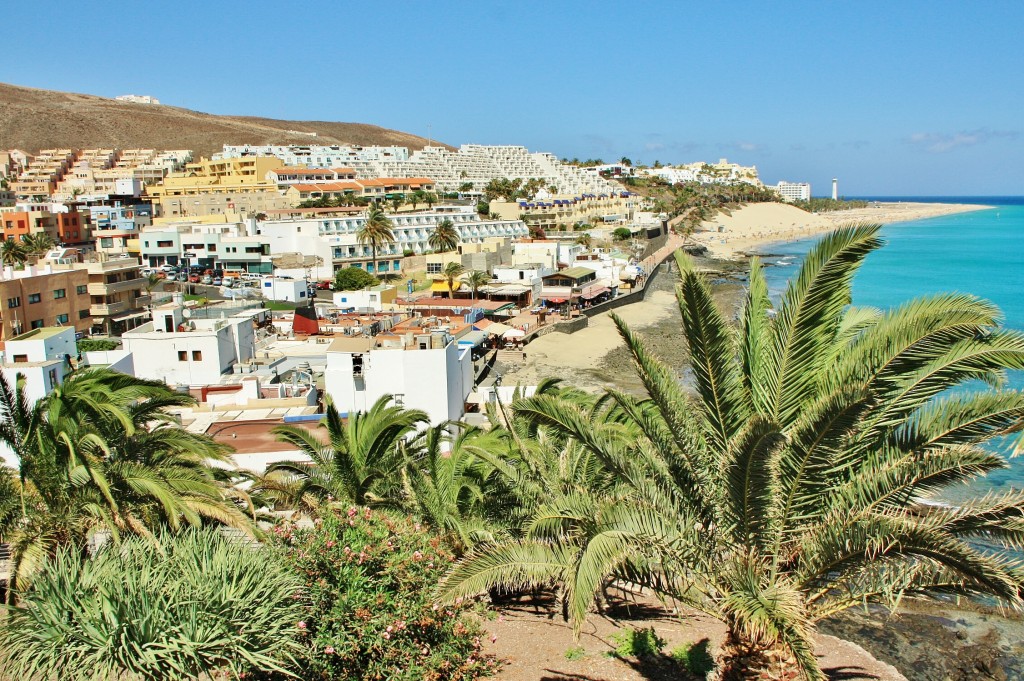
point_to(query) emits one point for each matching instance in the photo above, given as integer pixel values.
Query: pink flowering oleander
(329, 650)
(301, 625)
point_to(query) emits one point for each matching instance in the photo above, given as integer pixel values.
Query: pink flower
(329, 650)
(352, 512)
(417, 556)
(387, 636)
(330, 543)
(417, 527)
(426, 650)
(301, 625)
(494, 637)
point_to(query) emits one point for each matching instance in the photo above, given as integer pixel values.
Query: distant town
(253, 281)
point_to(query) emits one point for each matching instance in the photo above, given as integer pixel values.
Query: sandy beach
(747, 228)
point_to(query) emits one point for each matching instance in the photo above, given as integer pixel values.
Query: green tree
(789, 489)
(585, 240)
(359, 463)
(621, 233)
(353, 279)
(376, 232)
(444, 238)
(12, 253)
(430, 198)
(451, 272)
(476, 279)
(466, 187)
(185, 606)
(396, 200)
(101, 454)
(37, 243)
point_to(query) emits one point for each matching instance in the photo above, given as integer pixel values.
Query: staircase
(510, 356)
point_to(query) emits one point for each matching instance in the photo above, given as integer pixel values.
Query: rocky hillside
(32, 119)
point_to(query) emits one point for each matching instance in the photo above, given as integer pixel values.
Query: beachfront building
(549, 254)
(334, 240)
(574, 285)
(179, 348)
(794, 191)
(722, 172)
(40, 296)
(424, 368)
(361, 159)
(562, 212)
(376, 189)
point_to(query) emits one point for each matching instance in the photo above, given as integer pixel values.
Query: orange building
(63, 228)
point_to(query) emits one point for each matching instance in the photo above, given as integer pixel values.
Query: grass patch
(637, 643)
(575, 653)
(278, 305)
(694, 657)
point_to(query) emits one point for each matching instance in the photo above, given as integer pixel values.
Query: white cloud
(941, 142)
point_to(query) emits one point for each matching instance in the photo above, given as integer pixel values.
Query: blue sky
(893, 98)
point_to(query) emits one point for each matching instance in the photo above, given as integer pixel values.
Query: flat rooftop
(42, 333)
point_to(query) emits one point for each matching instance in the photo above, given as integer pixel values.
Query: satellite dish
(186, 313)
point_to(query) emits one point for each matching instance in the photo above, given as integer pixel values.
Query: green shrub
(621, 233)
(370, 577)
(575, 653)
(186, 606)
(694, 657)
(96, 344)
(637, 642)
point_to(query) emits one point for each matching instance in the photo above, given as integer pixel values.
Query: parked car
(229, 282)
(207, 279)
(168, 268)
(183, 276)
(193, 278)
(160, 274)
(217, 281)
(324, 285)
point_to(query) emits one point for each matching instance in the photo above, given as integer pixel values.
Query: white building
(427, 371)
(38, 359)
(548, 254)
(334, 239)
(287, 290)
(137, 99)
(794, 191)
(370, 299)
(178, 348)
(722, 172)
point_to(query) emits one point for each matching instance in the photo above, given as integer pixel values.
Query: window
(433, 268)
(197, 355)
(62, 319)
(182, 355)
(14, 302)
(82, 314)
(211, 247)
(19, 359)
(81, 289)
(34, 298)
(164, 244)
(36, 324)
(60, 293)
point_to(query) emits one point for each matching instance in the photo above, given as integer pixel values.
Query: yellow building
(565, 211)
(230, 185)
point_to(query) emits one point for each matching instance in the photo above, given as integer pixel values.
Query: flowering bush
(370, 577)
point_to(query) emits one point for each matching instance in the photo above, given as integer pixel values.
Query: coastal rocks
(697, 250)
(929, 647)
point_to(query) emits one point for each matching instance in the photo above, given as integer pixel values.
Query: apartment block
(64, 225)
(35, 297)
(219, 187)
(117, 295)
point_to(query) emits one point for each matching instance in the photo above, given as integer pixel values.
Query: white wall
(420, 376)
(157, 355)
(43, 349)
(288, 290)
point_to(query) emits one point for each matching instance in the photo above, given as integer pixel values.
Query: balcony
(104, 289)
(108, 309)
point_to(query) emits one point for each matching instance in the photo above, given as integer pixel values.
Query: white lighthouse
(835, 189)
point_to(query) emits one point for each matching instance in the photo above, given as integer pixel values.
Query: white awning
(497, 328)
(511, 289)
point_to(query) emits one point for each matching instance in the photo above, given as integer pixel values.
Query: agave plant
(791, 487)
(187, 606)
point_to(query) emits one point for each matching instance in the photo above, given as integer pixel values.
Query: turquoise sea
(980, 253)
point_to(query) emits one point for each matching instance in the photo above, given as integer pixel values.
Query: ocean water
(981, 253)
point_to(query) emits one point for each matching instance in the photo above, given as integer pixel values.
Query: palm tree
(430, 198)
(396, 201)
(444, 238)
(585, 240)
(361, 461)
(376, 232)
(476, 279)
(789, 489)
(37, 243)
(12, 253)
(101, 454)
(450, 273)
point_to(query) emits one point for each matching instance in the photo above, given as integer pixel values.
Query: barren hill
(32, 119)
